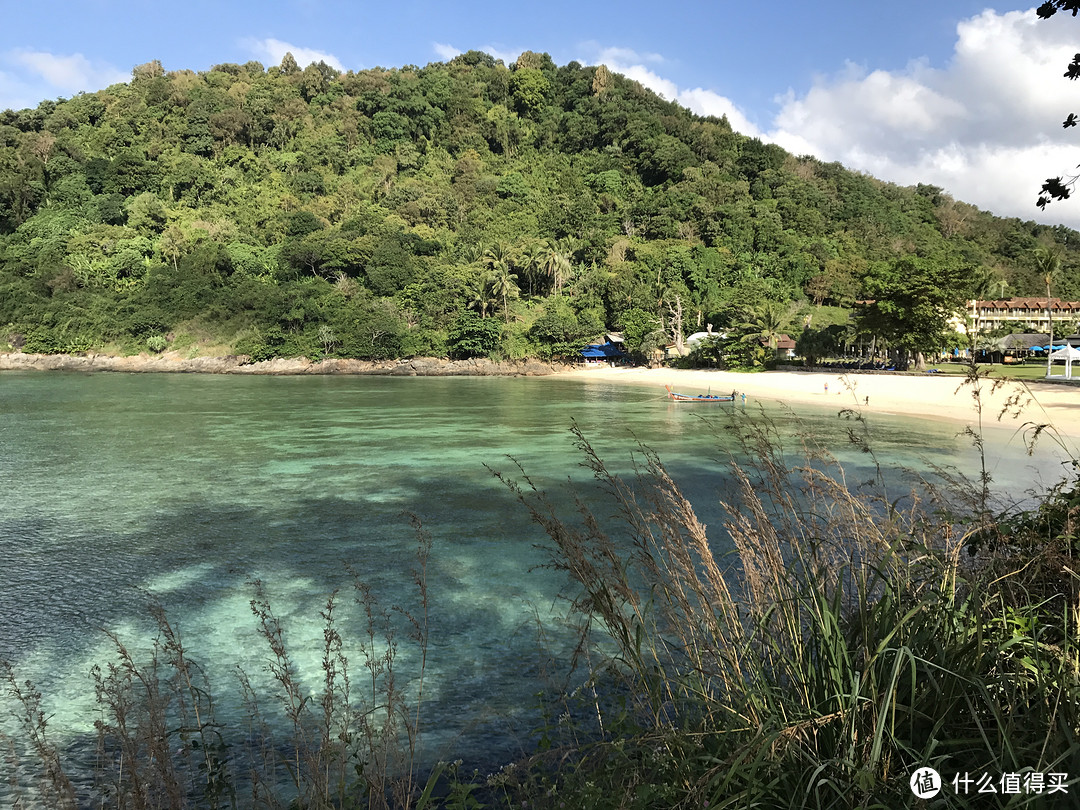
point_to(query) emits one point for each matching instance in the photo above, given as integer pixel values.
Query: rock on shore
(172, 363)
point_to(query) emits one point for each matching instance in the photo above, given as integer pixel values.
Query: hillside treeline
(463, 208)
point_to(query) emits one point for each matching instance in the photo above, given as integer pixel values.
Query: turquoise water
(121, 488)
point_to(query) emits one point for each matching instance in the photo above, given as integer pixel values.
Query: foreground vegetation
(855, 638)
(462, 209)
(854, 634)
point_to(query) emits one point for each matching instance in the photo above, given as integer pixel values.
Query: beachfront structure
(785, 346)
(611, 351)
(1070, 355)
(1014, 348)
(987, 315)
(672, 351)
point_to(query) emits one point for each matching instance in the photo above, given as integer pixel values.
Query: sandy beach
(920, 395)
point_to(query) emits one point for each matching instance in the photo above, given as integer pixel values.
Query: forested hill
(463, 208)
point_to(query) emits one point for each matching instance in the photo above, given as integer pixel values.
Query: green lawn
(1027, 371)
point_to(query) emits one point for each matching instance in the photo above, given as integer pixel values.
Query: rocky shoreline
(172, 363)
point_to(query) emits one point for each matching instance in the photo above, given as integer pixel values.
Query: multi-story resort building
(987, 315)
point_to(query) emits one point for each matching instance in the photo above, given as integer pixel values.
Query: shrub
(57, 340)
(264, 344)
(473, 336)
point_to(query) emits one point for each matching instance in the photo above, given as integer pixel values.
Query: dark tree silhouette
(1060, 188)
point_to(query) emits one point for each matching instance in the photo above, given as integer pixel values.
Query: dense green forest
(461, 209)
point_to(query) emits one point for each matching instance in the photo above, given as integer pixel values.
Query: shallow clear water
(187, 488)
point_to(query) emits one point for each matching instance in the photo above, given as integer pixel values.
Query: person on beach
(826, 388)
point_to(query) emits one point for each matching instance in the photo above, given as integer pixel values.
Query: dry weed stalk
(160, 746)
(347, 745)
(52, 784)
(807, 638)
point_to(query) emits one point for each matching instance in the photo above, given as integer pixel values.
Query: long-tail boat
(677, 397)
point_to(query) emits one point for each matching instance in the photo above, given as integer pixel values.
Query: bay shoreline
(1014, 405)
(1007, 404)
(174, 363)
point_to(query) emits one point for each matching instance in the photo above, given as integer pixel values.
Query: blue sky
(956, 93)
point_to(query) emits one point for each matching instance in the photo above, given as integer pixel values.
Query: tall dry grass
(845, 640)
(348, 741)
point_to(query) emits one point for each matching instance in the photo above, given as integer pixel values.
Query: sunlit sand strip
(927, 396)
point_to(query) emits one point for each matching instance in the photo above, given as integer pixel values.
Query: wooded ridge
(462, 209)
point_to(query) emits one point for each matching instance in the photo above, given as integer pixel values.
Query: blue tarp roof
(603, 350)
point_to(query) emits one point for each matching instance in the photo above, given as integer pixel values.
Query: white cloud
(37, 75)
(986, 127)
(68, 74)
(16, 94)
(665, 88)
(700, 100)
(499, 52)
(448, 52)
(708, 102)
(625, 56)
(445, 52)
(272, 51)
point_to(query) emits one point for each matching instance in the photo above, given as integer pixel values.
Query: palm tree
(532, 257)
(1047, 265)
(556, 263)
(470, 253)
(767, 320)
(504, 285)
(478, 293)
(499, 258)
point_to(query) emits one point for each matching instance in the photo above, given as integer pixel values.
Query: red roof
(782, 342)
(1034, 304)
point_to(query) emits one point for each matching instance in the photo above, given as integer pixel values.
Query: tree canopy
(1060, 188)
(302, 210)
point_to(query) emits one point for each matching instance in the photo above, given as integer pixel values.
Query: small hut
(607, 353)
(1019, 346)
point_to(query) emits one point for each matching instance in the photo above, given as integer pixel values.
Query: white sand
(919, 395)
